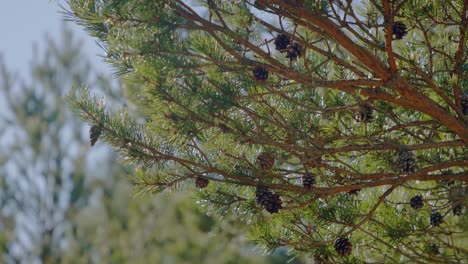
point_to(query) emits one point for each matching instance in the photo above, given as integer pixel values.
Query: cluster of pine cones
(293, 49)
(283, 44)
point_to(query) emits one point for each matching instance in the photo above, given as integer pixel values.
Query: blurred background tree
(61, 203)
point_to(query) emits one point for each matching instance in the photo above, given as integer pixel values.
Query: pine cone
(434, 249)
(294, 50)
(417, 202)
(364, 114)
(273, 204)
(464, 103)
(281, 42)
(436, 218)
(201, 183)
(343, 247)
(94, 133)
(269, 201)
(457, 210)
(399, 30)
(308, 180)
(266, 160)
(406, 162)
(260, 73)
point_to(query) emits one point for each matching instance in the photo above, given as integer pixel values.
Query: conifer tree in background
(60, 203)
(42, 154)
(336, 128)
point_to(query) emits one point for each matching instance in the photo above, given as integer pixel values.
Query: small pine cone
(294, 50)
(273, 204)
(260, 73)
(417, 202)
(343, 247)
(364, 114)
(201, 183)
(269, 201)
(94, 133)
(406, 162)
(436, 218)
(266, 160)
(354, 191)
(308, 180)
(225, 129)
(399, 30)
(434, 249)
(282, 41)
(464, 103)
(457, 210)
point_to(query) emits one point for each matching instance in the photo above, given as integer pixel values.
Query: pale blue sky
(24, 22)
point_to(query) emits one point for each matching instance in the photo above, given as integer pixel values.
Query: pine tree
(223, 81)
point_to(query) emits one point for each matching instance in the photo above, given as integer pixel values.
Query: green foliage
(142, 230)
(208, 112)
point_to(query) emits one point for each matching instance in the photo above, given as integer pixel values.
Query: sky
(25, 22)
